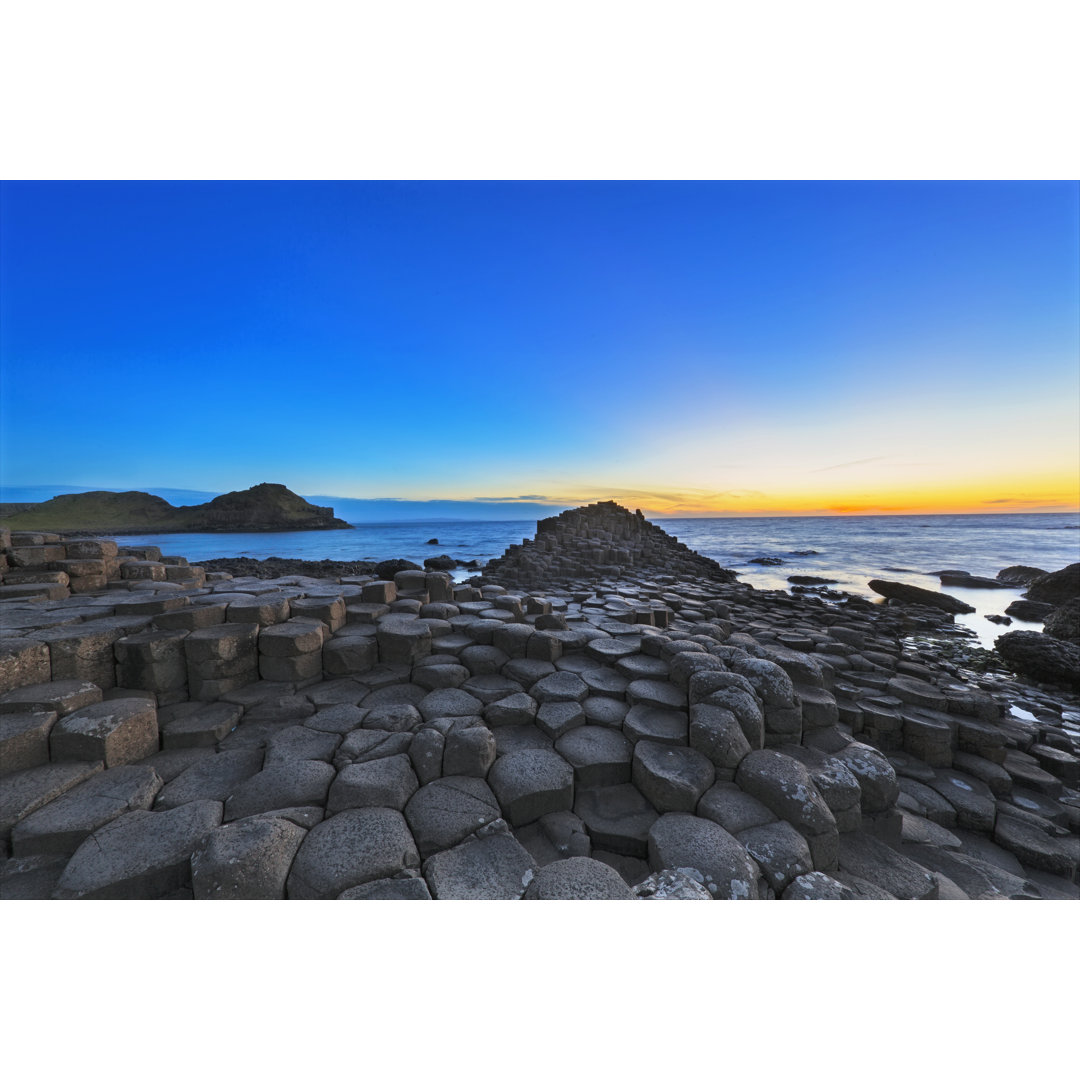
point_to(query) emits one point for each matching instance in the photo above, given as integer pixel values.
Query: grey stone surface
(785, 787)
(869, 858)
(245, 860)
(672, 778)
(598, 755)
(388, 781)
(63, 824)
(399, 888)
(717, 733)
(577, 879)
(728, 805)
(116, 732)
(298, 742)
(532, 783)
(468, 752)
(657, 725)
(23, 792)
(215, 778)
(24, 740)
(363, 745)
(618, 818)
(673, 885)
(494, 867)
(780, 851)
(817, 886)
(351, 848)
(682, 840)
(446, 811)
(295, 783)
(142, 855)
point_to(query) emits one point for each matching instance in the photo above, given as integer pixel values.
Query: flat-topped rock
(532, 783)
(116, 732)
(142, 855)
(61, 826)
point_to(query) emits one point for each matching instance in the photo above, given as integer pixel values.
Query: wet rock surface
(602, 715)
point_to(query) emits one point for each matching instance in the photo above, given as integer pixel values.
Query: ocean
(849, 550)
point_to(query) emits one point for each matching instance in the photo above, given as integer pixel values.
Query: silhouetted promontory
(262, 508)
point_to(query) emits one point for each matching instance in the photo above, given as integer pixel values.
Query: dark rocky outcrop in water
(1029, 610)
(1064, 623)
(912, 594)
(1020, 575)
(262, 508)
(602, 538)
(1058, 587)
(1040, 656)
(964, 580)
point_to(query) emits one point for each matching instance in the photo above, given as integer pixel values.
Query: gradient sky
(697, 348)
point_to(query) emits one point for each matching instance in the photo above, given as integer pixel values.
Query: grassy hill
(263, 508)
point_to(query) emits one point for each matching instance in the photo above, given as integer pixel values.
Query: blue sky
(690, 348)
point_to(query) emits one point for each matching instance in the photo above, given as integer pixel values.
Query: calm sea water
(850, 550)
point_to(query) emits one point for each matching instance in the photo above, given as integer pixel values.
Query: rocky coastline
(600, 713)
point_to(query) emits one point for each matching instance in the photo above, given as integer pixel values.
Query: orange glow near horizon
(1058, 494)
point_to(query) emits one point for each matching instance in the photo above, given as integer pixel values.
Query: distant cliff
(263, 508)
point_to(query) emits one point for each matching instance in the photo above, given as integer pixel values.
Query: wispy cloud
(883, 461)
(848, 464)
(511, 498)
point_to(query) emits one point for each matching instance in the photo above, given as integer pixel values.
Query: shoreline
(613, 703)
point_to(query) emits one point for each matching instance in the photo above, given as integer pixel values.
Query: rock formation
(648, 734)
(600, 539)
(263, 508)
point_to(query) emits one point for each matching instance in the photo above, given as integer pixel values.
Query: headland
(262, 508)
(601, 713)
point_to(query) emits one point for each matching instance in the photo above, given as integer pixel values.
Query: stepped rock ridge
(631, 733)
(262, 508)
(602, 538)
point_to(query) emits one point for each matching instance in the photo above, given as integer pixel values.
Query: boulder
(817, 886)
(445, 812)
(1064, 622)
(672, 778)
(685, 884)
(246, 860)
(494, 867)
(1058, 587)
(577, 879)
(780, 851)
(351, 848)
(532, 783)
(785, 786)
(677, 841)
(1020, 575)
(388, 781)
(1040, 657)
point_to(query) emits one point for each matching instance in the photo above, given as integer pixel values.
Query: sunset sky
(699, 348)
